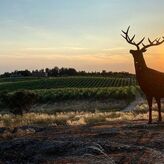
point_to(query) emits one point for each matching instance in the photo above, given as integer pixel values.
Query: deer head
(140, 50)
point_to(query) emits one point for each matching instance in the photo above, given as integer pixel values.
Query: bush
(20, 101)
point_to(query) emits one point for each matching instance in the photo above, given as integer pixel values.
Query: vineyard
(64, 82)
(53, 95)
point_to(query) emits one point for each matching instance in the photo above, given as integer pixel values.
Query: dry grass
(81, 105)
(75, 118)
(71, 118)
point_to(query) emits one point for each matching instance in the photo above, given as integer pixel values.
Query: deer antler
(156, 42)
(130, 41)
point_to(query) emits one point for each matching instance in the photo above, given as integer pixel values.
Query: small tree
(20, 101)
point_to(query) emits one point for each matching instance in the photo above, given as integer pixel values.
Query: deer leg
(158, 100)
(150, 101)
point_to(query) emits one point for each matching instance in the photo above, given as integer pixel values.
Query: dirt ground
(113, 142)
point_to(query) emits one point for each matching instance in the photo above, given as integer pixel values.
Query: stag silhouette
(151, 81)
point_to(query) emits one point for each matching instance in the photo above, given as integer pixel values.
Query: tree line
(60, 72)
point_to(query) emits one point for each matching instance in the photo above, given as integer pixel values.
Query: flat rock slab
(115, 142)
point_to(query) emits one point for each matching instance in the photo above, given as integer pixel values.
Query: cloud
(54, 48)
(114, 49)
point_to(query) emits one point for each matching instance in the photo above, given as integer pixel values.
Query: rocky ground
(113, 142)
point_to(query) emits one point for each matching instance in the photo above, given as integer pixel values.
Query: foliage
(20, 101)
(56, 72)
(52, 95)
(65, 88)
(55, 95)
(65, 82)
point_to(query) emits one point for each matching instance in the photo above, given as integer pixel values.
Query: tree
(20, 101)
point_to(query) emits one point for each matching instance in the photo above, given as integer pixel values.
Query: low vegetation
(19, 102)
(64, 82)
(52, 95)
(19, 95)
(71, 118)
(24, 99)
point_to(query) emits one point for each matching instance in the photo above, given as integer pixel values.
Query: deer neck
(140, 65)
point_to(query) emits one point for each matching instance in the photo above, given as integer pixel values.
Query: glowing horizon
(84, 35)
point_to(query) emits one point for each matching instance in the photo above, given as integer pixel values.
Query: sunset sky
(84, 34)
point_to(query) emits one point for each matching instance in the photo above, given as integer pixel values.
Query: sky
(83, 34)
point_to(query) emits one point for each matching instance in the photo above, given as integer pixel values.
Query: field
(63, 82)
(81, 120)
(50, 90)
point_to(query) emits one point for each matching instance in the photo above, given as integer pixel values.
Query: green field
(52, 95)
(64, 82)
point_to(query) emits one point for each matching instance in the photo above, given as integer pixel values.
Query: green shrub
(20, 101)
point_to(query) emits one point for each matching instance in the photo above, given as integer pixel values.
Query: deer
(150, 81)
